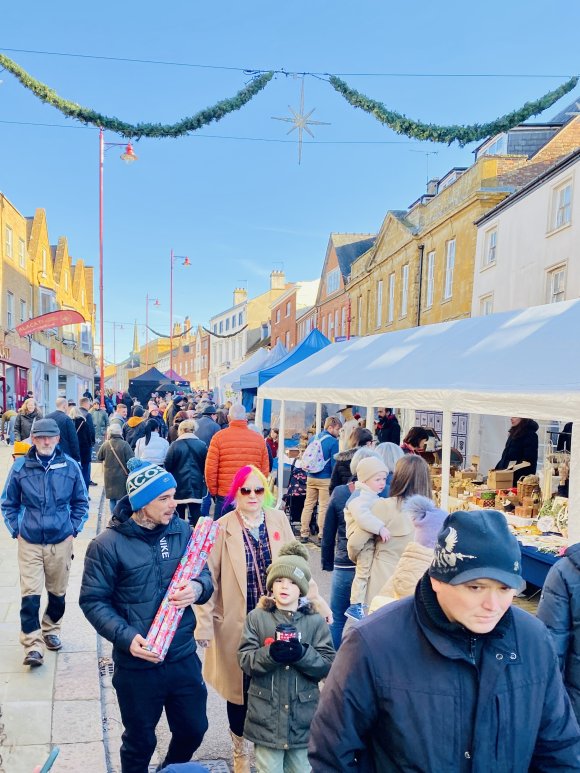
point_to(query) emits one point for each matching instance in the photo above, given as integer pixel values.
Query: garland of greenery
(461, 134)
(87, 116)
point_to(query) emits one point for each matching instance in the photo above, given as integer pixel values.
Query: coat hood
(345, 456)
(573, 553)
(134, 421)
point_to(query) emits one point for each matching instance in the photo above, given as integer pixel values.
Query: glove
(287, 651)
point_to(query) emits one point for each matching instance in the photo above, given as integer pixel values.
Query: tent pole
(574, 488)
(445, 459)
(370, 418)
(318, 417)
(260, 413)
(281, 433)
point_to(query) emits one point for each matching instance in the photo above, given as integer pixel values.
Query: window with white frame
(221, 326)
(22, 310)
(405, 291)
(336, 327)
(486, 305)
(227, 323)
(21, 253)
(391, 309)
(430, 279)
(288, 307)
(9, 310)
(240, 318)
(324, 325)
(233, 321)
(379, 320)
(330, 325)
(490, 247)
(332, 281)
(287, 340)
(9, 241)
(277, 316)
(359, 315)
(556, 284)
(561, 206)
(449, 269)
(343, 322)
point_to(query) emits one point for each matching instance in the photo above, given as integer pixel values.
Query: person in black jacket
(453, 678)
(68, 442)
(559, 609)
(128, 568)
(387, 428)
(186, 461)
(521, 446)
(85, 442)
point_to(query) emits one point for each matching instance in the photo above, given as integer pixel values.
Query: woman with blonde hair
(249, 539)
(27, 415)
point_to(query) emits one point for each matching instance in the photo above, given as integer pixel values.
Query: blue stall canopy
(314, 342)
(248, 380)
(229, 384)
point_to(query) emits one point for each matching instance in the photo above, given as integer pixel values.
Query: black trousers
(176, 687)
(189, 511)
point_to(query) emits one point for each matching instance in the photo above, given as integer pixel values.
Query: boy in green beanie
(285, 672)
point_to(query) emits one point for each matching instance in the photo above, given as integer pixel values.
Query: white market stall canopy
(517, 363)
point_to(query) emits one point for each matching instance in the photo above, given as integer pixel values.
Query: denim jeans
(281, 761)
(340, 601)
(219, 508)
(113, 505)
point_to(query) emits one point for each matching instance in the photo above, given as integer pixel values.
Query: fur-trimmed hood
(345, 456)
(268, 604)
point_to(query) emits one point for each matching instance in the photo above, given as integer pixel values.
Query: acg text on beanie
(369, 467)
(292, 562)
(477, 545)
(146, 482)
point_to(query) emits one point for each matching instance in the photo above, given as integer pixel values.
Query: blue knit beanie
(146, 482)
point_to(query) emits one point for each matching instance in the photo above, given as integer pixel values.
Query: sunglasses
(245, 492)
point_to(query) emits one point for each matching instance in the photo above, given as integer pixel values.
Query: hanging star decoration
(301, 121)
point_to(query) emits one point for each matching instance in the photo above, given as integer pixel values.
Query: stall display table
(536, 565)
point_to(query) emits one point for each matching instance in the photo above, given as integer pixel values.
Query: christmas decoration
(301, 121)
(461, 134)
(88, 116)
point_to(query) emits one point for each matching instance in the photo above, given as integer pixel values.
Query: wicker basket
(527, 489)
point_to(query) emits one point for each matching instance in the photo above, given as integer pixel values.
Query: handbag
(125, 470)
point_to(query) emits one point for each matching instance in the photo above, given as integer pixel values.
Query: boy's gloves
(287, 651)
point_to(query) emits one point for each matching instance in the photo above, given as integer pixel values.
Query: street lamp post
(155, 302)
(127, 156)
(186, 262)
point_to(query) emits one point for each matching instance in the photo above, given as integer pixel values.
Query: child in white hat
(362, 526)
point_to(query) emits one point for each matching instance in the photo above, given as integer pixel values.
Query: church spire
(135, 339)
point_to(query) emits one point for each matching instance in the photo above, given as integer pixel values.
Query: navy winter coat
(186, 461)
(333, 546)
(45, 506)
(559, 609)
(69, 442)
(206, 429)
(409, 692)
(127, 572)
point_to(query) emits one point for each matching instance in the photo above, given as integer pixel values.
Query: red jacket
(231, 449)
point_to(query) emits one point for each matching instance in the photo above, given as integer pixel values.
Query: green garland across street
(462, 134)
(398, 122)
(88, 116)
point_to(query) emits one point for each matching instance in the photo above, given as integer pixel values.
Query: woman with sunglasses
(249, 540)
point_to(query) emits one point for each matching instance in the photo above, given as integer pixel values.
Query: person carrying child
(286, 649)
(362, 525)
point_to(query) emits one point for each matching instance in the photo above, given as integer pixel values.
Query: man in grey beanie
(452, 678)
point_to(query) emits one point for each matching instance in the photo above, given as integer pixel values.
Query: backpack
(313, 457)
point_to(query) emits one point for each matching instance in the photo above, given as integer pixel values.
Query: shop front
(14, 367)
(74, 377)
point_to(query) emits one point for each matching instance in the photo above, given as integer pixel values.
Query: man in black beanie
(455, 677)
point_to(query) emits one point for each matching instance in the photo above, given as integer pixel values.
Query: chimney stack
(432, 186)
(277, 280)
(240, 295)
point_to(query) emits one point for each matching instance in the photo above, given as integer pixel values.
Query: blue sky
(240, 208)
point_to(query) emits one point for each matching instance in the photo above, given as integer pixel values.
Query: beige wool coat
(413, 564)
(221, 619)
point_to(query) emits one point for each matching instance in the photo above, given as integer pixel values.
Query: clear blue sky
(239, 208)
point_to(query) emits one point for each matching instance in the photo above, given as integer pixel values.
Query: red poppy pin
(269, 640)
(277, 536)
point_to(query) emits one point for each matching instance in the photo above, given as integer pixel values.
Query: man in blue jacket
(128, 569)
(318, 483)
(452, 679)
(44, 504)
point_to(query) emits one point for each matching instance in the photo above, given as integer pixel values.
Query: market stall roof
(250, 379)
(173, 376)
(314, 342)
(517, 363)
(150, 375)
(232, 377)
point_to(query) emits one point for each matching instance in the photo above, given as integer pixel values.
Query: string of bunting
(462, 134)
(129, 130)
(398, 122)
